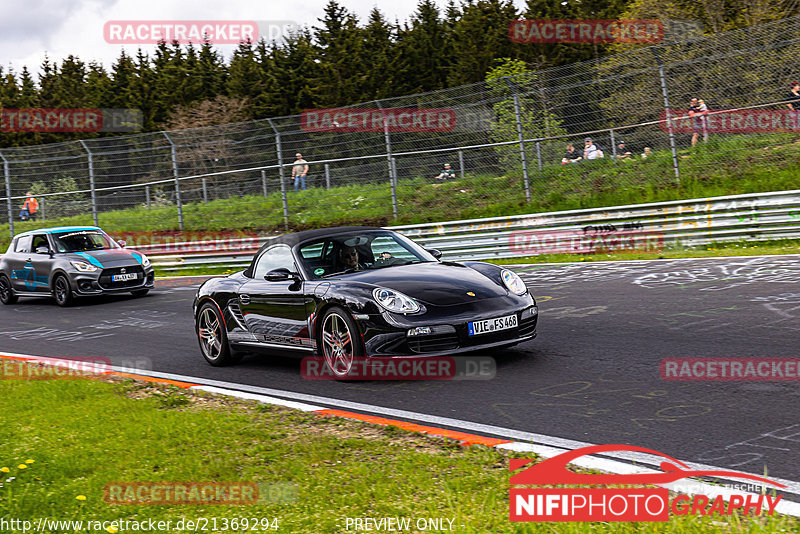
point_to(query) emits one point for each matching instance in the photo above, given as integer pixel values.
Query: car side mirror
(42, 250)
(122, 243)
(434, 252)
(280, 275)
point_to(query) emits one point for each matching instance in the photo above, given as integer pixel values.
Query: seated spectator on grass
(590, 150)
(572, 155)
(447, 173)
(647, 152)
(623, 152)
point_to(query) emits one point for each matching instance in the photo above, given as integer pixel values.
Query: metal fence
(506, 148)
(637, 228)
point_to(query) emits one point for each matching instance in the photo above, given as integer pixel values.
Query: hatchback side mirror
(42, 250)
(434, 252)
(122, 243)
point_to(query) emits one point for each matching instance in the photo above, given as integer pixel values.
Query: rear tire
(340, 341)
(62, 291)
(7, 294)
(140, 292)
(213, 338)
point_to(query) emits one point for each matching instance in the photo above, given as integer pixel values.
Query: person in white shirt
(590, 150)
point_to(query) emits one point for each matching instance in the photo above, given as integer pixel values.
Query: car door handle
(244, 299)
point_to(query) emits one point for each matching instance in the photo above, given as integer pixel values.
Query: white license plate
(124, 277)
(492, 325)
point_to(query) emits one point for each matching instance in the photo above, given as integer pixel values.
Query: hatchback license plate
(492, 325)
(124, 277)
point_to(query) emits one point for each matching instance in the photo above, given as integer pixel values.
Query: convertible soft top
(320, 233)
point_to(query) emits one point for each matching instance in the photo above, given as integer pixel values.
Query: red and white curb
(538, 444)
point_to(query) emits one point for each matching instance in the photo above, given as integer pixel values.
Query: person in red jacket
(31, 206)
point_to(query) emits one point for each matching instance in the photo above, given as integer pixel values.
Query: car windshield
(83, 240)
(361, 251)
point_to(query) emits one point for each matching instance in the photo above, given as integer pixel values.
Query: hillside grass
(735, 165)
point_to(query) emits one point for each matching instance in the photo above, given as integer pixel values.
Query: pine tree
(424, 57)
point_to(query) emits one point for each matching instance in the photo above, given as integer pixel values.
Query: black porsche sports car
(71, 261)
(354, 292)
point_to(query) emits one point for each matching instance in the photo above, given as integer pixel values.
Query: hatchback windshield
(360, 252)
(83, 240)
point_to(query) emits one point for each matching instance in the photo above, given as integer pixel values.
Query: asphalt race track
(592, 375)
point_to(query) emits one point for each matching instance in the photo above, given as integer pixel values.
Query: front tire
(213, 338)
(7, 294)
(340, 341)
(62, 291)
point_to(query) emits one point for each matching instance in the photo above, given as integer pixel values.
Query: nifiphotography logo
(620, 503)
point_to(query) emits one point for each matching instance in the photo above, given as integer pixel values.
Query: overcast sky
(29, 29)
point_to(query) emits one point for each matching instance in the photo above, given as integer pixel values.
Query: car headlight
(83, 267)
(145, 261)
(513, 282)
(394, 301)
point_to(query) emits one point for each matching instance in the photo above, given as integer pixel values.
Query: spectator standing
(590, 150)
(571, 156)
(447, 173)
(29, 208)
(698, 111)
(794, 102)
(299, 172)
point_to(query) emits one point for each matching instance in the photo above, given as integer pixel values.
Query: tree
(424, 54)
(342, 61)
(508, 78)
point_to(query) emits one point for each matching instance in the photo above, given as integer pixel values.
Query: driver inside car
(349, 259)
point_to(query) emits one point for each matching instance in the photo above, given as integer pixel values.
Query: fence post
(91, 181)
(539, 154)
(392, 175)
(264, 181)
(147, 195)
(43, 210)
(521, 136)
(205, 191)
(461, 162)
(177, 180)
(281, 173)
(669, 115)
(327, 176)
(613, 145)
(7, 172)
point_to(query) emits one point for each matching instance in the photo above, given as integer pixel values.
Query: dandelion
(5, 470)
(112, 530)
(22, 466)
(29, 461)
(81, 497)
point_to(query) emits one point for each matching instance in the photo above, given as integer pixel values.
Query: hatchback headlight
(83, 267)
(145, 261)
(513, 282)
(394, 301)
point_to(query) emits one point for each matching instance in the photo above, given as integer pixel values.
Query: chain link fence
(506, 147)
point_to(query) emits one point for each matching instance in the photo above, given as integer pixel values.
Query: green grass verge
(739, 164)
(84, 434)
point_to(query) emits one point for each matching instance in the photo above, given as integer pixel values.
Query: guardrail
(749, 217)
